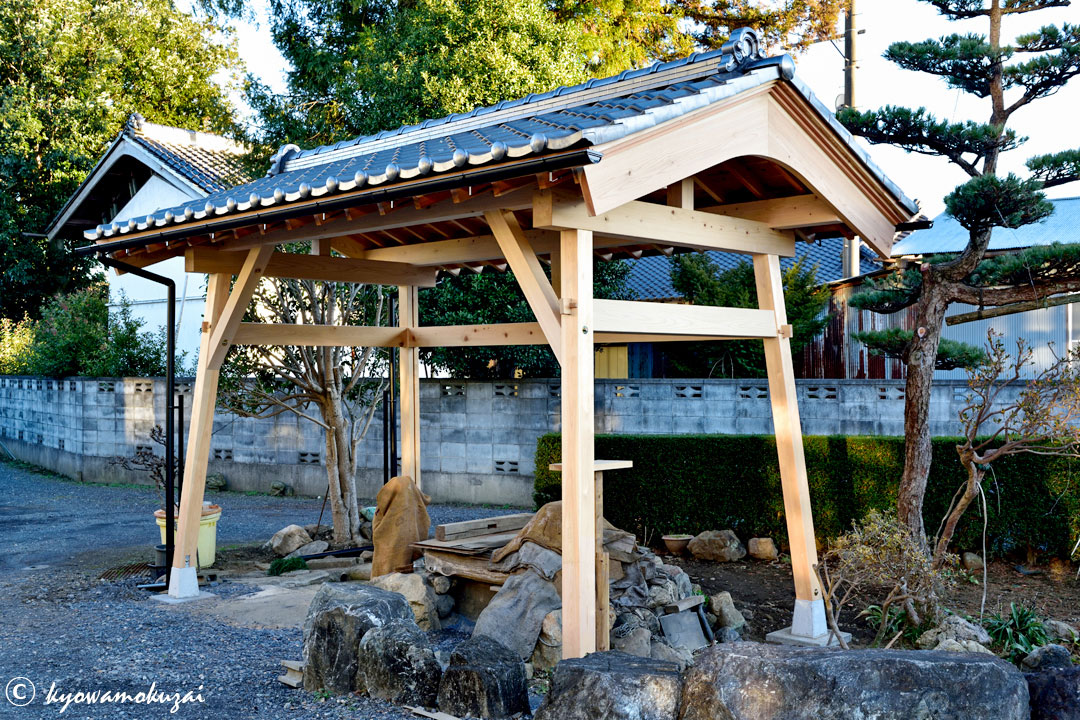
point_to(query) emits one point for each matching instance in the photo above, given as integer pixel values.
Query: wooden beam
(478, 335)
(788, 213)
(629, 316)
(578, 484)
(246, 280)
(986, 313)
(808, 621)
(681, 194)
(409, 316)
(318, 335)
(184, 575)
(530, 275)
(483, 526)
(647, 222)
(313, 267)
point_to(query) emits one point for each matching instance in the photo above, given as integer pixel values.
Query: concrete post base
(184, 583)
(808, 627)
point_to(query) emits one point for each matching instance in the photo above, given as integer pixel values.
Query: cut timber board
(599, 465)
(479, 545)
(436, 715)
(483, 526)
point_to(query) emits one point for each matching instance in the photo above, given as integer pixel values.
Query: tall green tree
(1008, 77)
(361, 66)
(71, 72)
(700, 281)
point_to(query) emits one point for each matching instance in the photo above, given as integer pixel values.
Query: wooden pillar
(579, 529)
(224, 310)
(809, 617)
(409, 367)
(603, 562)
(556, 273)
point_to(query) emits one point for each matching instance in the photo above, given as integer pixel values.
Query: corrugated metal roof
(949, 236)
(594, 112)
(650, 277)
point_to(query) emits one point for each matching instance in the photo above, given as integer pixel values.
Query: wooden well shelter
(723, 150)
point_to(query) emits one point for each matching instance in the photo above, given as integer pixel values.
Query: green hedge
(691, 483)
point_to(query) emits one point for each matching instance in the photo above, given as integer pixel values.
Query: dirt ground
(764, 593)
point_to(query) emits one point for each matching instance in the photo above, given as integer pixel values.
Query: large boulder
(723, 607)
(397, 664)
(548, 650)
(956, 628)
(1047, 657)
(418, 593)
(612, 686)
(339, 616)
(516, 613)
(312, 548)
(1055, 694)
(763, 549)
(288, 539)
(637, 641)
(485, 679)
(749, 681)
(718, 546)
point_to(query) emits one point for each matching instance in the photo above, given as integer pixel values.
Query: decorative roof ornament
(742, 48)
(134, 122)
(277, 162)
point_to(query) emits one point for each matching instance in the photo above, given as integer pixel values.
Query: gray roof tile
(592, 113)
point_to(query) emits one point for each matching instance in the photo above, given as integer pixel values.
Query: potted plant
(146, 460)
(676, 544)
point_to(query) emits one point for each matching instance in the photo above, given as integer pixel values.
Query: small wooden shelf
(600, 465)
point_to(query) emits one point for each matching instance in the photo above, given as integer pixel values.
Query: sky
(1051, 123)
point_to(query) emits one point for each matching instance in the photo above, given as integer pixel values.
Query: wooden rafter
(314, 267)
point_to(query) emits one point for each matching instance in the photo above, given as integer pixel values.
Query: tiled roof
(949, 236)
(209, 161)
(650, 277)
(592, 113)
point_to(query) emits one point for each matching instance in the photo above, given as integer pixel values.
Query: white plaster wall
(149, 300)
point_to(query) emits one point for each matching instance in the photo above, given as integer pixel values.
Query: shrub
(691, 483)
(1017, 633)
(280, 566)
(16, 339)
(78, 335)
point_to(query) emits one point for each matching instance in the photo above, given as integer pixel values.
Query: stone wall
(478, 439)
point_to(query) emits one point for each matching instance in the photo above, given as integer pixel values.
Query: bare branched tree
(1044, 419)
(341, 384)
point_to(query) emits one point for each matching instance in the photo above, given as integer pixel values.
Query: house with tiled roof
(145, 168)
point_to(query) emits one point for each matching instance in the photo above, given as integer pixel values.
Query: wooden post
(809, 616)
(603, 588)
(578, 484)
(409, 317)
(224, 310)
(556, 273)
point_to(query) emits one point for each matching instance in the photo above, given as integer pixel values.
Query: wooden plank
(318, 335)
(530, 275)
(477, 545)
(225, 326)
(483, 526)
(578, 484)
(599, 465)
(313, 267)
(800, 211)
(409, 367)
(685, 604)
(648, 222)
(471, 568)
(437, 715)
(789, 443)
(629, 316)
(603, 563)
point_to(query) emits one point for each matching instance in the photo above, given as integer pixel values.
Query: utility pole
(850, 262)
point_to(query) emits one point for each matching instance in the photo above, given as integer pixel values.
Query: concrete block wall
(478, 439)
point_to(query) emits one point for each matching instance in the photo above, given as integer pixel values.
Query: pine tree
(1035, 66)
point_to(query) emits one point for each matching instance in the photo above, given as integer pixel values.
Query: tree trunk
(971, 491)
(340, 472)
(918, 452)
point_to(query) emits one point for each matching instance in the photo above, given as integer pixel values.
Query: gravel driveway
(60, 625)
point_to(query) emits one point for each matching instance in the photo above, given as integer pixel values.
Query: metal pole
(849, 54)
(386, 435)
(180, 445)
(393, 398)
(170, 390)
